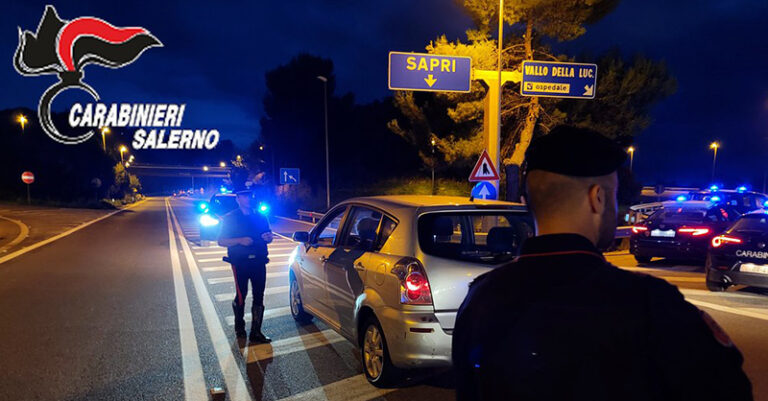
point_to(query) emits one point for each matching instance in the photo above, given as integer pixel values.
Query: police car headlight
(263, 208)
(207, 220)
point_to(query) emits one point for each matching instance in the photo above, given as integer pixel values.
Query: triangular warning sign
(484, 169)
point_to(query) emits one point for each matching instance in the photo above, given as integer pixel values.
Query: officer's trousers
(256, 273)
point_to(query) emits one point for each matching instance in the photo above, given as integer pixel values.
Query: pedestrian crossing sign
(484, 169)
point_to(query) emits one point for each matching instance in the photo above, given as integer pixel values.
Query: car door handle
(359, 266)
(323, 259)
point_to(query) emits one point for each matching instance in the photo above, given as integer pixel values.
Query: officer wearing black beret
(246, 234)
(561, 323)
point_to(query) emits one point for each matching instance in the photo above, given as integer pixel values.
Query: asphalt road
(133, 307)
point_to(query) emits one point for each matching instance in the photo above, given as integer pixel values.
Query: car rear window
(482, 237)
(752, 222)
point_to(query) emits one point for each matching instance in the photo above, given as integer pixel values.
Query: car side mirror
(301, 236)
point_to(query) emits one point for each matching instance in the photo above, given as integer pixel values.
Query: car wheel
(297, 307)
(374, 354)
(716, 286)
(643, 259)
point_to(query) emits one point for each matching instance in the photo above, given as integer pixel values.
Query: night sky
(215, 56)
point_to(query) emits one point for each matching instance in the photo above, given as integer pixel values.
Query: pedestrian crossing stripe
(484, 169)
(290, 345)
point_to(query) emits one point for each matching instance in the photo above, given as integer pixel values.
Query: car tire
(643, 259)
(374, 355)
(716, 286)
(296, 305)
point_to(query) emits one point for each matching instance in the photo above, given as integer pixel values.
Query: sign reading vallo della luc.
(429, 72)
(554, 79)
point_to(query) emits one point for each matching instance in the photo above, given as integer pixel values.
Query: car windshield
(752, 222)
(678, 215)
(221, 205)
(481, 237)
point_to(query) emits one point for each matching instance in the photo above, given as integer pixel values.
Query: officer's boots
(239, 320)
(257, 316)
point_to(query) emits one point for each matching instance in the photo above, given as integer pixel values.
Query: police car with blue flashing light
(680, 229)
(739, 255)
(741, 198)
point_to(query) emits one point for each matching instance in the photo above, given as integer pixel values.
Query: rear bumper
(736, 277)
(673, 249)
(415, 338)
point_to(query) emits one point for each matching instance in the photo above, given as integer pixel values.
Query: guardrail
(314, 216)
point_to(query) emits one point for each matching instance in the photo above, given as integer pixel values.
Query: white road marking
(228, 297)
(351, 388)
(278, 255)
(210, 260)
(736, 311)
(233, 378)
(271, 265)
(65, 233)
(231, 279)
(217, 252)
(194, 380)
(682, 279)
(268, 314)
(290, 345)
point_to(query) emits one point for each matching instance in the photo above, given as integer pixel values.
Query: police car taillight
(695, 231)
(639, 229)
(414, 285)
(721, 240)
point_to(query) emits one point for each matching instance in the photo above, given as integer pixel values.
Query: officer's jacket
(236, 224)
(560, 323)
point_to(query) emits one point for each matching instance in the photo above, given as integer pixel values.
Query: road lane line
(210, 260)
(231, 279)
(194, 380)
(351, 388)
(229, 296)
(65, 233)
(682, 279)
(728, 309)
(271, 265)
(255, 353)
(233, 377)
(218, 252)
(23, 233)
(268, 314)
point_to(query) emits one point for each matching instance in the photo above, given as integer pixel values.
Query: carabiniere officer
(246, 234)
(561, 323)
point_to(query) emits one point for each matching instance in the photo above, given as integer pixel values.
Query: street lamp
(123, 149)
(222, 164)
(104, 131)
(433, 166)
(327, 164)
(631, 151)
(205, 168)
(22, 119)
(714, 146)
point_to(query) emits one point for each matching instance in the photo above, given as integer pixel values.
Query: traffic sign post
(485, 190)
(28, 178)
(553, 79)
(289, 176)
(429, 72)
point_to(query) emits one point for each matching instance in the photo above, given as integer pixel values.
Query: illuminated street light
(433, 166)
(631, 151)
(205, 168)
(261, 147)
(714, 146)
(104, 131)
(128, 164)
(123, 149)
(22, 119)
(239, 158)
(222, 164)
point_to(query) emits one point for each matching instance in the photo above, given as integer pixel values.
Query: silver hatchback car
(389, 273)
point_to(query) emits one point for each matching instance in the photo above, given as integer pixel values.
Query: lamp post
(433, 166)
(327, 164)
(631, 151)
(714, 146)
(104, 131)
(222, 164)
(123, 149)
(22, 119)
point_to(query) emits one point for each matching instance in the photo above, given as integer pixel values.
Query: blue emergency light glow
(263, 208)
(741, 188)
(715, 199)
(682, 198)
(202, 205)
(223, 190)
(207, 220)
(713, 188)
(765, 203)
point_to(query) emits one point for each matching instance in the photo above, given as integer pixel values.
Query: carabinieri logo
(65, 47)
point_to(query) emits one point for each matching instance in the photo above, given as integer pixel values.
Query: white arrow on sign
(292, 178)
(484, 192)
(589, 90)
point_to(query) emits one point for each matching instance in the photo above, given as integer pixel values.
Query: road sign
(484, 169)
(289, 176)
(552, 79)
(429, 72)
(27, 177)
(485, 190)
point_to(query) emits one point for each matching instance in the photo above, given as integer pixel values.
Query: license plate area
(663, 233)
(753, 268)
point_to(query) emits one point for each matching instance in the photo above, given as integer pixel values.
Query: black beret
(576, 152)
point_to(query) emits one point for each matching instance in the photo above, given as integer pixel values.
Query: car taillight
(721, 240)
(414, 285)
(639, 229)
(695, 231)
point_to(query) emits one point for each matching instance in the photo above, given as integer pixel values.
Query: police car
(739, 255)
(680, 230)
(741, 199)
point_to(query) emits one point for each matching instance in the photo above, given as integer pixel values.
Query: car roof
(417, 201)
(726, 191)
(687, 204)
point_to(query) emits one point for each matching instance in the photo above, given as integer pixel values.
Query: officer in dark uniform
(246, 234)
(561, 323)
